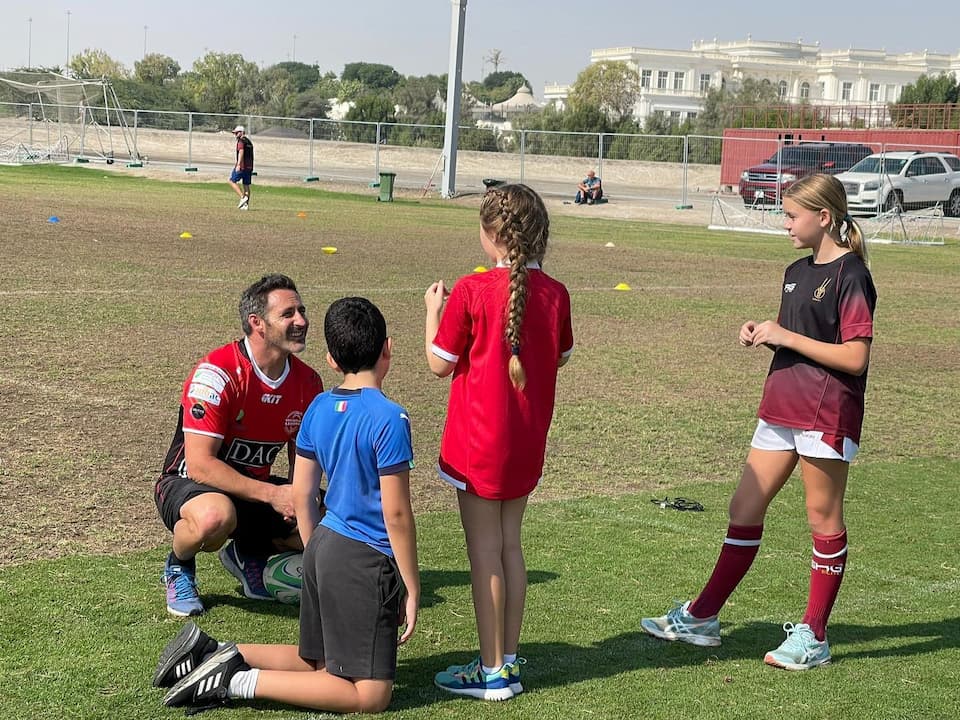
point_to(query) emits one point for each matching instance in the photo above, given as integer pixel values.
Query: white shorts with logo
(808, 443)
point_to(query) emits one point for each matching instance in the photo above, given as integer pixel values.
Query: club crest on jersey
(821, 291)
(292, 422)
(252, 453)
(789, 287)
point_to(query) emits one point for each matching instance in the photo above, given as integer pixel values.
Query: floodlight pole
(451, 133)
(68, 38)
(29, 42)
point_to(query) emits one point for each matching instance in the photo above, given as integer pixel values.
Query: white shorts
(808, 443)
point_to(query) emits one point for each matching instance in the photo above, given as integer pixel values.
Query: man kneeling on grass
(360, 575)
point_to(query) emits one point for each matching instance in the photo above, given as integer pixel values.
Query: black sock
(190, 564)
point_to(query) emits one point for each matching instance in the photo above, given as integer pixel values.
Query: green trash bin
(386, 187)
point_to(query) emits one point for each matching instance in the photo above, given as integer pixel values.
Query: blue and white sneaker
(679, 624)
(183, 599)
(248, 569)
(470, 680)
(800, 651)
(514, 669)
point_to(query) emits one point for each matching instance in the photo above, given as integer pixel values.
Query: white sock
(509, 658)
(243, 684)
(490, 671)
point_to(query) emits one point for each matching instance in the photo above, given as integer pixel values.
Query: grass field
(106, 310)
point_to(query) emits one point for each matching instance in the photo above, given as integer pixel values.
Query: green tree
(223, 83)
(277, 86)
(416, 97)
(940, 89)
(744, 106)
(302, 76)
(369, 108)
(497, 87)
(614, 87)
(97, 64)
(312, 103)
(156, 69)
(372, 75)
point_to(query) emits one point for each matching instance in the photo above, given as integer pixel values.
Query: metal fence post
(311, 177)
(523, 145)
(190, 167)
(684, 205)
(376, 155)
(600, 155)
(30, 125)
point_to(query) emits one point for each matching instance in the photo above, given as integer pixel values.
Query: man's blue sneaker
(679, 624)
(183, 600)
(248, 569)
(800, 651)
(183, 655)
(470, 680)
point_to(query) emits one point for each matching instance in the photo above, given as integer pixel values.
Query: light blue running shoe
(800, 651)
(514, 670)
(470, 680)
(183, 599)
(678, 624)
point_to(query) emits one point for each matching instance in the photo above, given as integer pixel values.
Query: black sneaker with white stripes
(182, 655)
(208, 684)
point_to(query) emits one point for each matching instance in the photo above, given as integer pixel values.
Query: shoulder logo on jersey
(340, 406)
(789, 287)
(292, 422)
(252, 453)
(204, 393)
(211, 375)
(198, 411)
(821, 291)
(270, 399)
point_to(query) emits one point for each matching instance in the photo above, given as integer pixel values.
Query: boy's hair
(355, 332)
(516, 216)
(824, 192)
(253, 301)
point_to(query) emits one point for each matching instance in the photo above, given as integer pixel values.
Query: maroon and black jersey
(228, 397)
(245, 153)
(832, 302)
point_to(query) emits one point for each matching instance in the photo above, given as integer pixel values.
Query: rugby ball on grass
(283, 577)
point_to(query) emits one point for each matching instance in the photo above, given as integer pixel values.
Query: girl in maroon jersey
(503, 334)
(811, 413)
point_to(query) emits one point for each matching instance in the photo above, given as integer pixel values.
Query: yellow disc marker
(185, 235)
(621, 286)
(329, 250)
(301, 214)
(479, 269)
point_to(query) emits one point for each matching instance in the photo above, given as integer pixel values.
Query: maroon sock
(826, 574)
(739, 549)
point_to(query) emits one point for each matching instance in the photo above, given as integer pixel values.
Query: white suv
(904, 179)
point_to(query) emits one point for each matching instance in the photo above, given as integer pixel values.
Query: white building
(674, 82)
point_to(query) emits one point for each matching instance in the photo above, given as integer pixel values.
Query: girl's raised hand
(435, 296)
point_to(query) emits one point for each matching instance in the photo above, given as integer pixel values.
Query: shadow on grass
(555, 664)
(432, 581)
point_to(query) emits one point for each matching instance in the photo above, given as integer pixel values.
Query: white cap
(238, 128)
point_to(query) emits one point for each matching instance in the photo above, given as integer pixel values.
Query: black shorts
(349, 607)
(258, 524)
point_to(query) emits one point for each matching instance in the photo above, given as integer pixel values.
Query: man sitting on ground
(589, 190)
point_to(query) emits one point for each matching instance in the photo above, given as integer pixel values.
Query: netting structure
(895, 227)
(55, 118)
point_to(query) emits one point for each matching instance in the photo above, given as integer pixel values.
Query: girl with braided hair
(502, 334)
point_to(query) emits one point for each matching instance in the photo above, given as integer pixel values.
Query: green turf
(106, 310)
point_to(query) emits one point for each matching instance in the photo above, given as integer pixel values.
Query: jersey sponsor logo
(204, 393)
(207, 374)
(789, 287)
(252, 453)
(292, 422)
(198, 411)
(821, 291)
(270, 399)
(826, 569)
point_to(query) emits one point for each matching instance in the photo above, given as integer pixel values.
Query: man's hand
(281, 500)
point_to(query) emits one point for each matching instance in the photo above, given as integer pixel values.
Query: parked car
(902, 180)
(765, 183)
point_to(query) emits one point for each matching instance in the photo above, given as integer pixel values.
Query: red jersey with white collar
(227, 396)
(495, 436)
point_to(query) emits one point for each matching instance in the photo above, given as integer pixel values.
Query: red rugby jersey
(228, 397)
(495, 436)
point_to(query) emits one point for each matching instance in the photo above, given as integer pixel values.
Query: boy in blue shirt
(360, 574)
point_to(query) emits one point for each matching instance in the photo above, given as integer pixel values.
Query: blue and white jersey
(356, 436)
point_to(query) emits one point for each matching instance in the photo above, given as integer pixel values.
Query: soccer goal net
(916, 227)
(47, 117)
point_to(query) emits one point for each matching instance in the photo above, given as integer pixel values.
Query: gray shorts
(349, 607)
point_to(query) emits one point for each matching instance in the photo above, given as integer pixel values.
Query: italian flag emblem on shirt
(341, 406)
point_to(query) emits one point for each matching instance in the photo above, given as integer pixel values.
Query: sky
(546, 40)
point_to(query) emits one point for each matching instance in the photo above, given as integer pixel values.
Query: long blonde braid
(517, 217)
